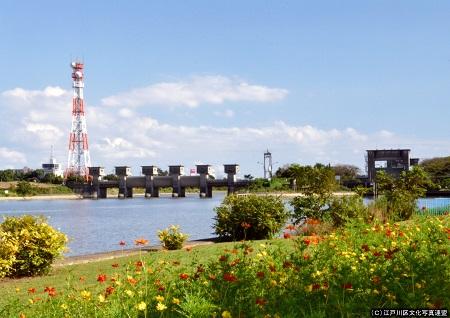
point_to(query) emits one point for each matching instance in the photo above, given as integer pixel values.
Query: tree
(24, 188)
(346, 172)
(400, 194)
(439, 170)
(317, 184)
(7, 175)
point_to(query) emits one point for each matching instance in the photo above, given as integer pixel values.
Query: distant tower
(79, 159)
(52, 166)
(267, 165)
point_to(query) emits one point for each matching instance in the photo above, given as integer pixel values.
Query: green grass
(60, 275)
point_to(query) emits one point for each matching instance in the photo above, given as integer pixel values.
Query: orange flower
(31, 290)
(313, 221)
(141, 242)
(132, 281)
(235, 262)
(101, 278)
(365, 247)
(347, 286)
(223, 258)
(376, 280)
(315, 286)
(286, 235)
(306, 241)
(82, 278)
(184, 276)
(261, 301)
(287, 264)
(51, 291)
(138, 264)
(260, 275)
(188, 249)
(115, 265)
(229, 277)
(290, 227)
(109, 290)
(246, 225)
(212, 277)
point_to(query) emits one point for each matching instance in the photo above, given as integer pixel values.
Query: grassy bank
(342, 274)
(9, 189)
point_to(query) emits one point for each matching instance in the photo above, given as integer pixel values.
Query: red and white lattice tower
(79, 159)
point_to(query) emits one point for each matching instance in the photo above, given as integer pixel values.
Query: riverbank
(43, 197)
(97, 257)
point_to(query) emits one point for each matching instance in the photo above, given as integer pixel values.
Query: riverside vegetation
(339, 258)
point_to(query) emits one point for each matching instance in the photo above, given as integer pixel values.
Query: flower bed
(342, 274)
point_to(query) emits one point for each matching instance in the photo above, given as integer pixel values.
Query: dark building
(392, 161)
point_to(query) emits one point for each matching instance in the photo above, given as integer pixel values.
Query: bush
(311, 206)
(37, 244)
(8, 249)
(345, 208)
(171, 238)
(250, 217)
(24, 188)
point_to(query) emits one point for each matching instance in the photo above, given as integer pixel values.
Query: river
(99, 225)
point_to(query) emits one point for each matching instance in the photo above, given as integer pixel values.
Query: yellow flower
(101, 298)
(393, 244)
(308, 288)
(31, 301)
(176, 301)
(17, 289)
(226, 314)
(353, 268)
(64, 306)
(418, 286)
(129, 293)
(161, 307)
(273, 283)
(85, 294)
(159, 298)
(141, 306)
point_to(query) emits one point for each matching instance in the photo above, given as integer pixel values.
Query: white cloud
(45, 132)
(227, 113)
(124, 136)
(195, 91)
(119, 148)
(11, 156)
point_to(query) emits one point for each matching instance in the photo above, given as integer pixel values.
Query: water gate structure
(152, 182)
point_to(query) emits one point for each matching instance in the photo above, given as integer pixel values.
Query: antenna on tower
(79, 159)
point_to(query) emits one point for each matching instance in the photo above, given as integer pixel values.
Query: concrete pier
(152, 182)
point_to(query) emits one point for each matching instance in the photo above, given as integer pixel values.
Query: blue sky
(190, 82)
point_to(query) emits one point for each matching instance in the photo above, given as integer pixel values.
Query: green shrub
(8, 249)
(37, 244)
(24, 188)
(345, 208)
(310, 206)
(400, 194)
(250, 217)
(171, 238)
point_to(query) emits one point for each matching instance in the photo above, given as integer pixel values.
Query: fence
(433, 206)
